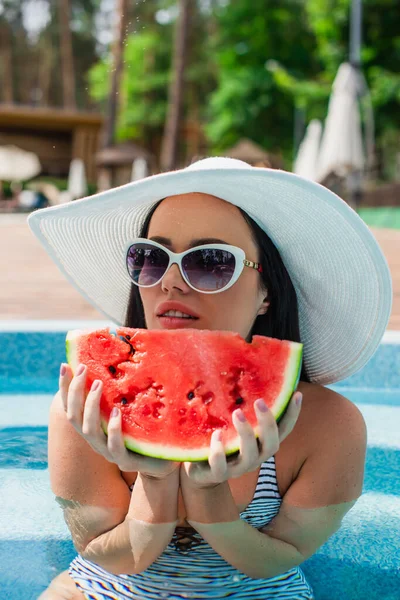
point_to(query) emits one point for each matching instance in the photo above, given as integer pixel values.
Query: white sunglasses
(209, 269)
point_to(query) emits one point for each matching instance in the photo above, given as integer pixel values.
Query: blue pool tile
(382, 370)
(29, 384)
(374, 396)
(33, 354)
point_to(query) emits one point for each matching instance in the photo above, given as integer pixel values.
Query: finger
(248, 444)
(115, 442)
(217, 458)
(268, 434)
(91, 425)
(76, 397)
(214, 470)
(290, 418)
(63, 383)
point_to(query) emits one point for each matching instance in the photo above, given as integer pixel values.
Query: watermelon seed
(239, 401)
(124, 401)
(128, 337)
(190, 395)
(112, 369)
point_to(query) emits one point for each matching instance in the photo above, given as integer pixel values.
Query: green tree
(35, 61)
(248, 102)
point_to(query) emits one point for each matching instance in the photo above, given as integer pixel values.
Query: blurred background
(97, 93)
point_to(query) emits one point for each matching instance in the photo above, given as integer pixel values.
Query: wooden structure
(115, 164)
(56, 136)
(254, 154)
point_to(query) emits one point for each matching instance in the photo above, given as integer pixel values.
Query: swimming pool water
(361, 561)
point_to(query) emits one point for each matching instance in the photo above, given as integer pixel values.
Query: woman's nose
(173, 279)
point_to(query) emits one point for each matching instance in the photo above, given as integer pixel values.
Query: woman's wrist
(161, 499)
(173, 475)
(209, 504)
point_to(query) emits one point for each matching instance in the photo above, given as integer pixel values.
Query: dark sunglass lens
(209, 270)
(146, 264)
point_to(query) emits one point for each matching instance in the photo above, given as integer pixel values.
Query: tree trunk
(169, 148)
(6, 60)
(45, 71)
(117, 53)
(67, 60)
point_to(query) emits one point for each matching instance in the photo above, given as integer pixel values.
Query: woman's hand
(252, 452)
(84, 415)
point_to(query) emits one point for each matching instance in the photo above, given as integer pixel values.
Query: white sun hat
(338, 270)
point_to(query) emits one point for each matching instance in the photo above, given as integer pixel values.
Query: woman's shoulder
(328, 423)
(328, 420)
(328, 410)
(327, 448)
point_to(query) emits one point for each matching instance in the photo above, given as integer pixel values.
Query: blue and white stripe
(200, 572)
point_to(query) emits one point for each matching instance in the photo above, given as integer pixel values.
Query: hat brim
(339, 272)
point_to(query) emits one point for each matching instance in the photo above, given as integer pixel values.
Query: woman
(146, 528)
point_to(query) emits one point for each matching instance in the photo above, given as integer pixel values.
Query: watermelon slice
(174, 387)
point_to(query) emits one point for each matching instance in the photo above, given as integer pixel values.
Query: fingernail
(218, 435)
(79, 370)
(95, 385)
(261, 405)
(299, 398)
(114, 412)
(240, 415)
(63, 370)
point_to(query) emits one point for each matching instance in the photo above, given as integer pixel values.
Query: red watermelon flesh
(175, 387)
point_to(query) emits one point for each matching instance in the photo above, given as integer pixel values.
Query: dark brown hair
(281, 321)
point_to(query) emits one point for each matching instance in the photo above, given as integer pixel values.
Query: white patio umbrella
(77, 184)
(342, 148)
(305, 164)
(17, 164)
(139, 169)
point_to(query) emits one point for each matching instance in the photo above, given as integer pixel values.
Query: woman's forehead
(185, 217)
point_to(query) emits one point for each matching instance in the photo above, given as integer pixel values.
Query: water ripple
(23, 447)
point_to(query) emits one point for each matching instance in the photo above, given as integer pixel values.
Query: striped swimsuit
(195, 570)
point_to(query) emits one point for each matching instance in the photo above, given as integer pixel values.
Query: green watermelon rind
(290, 381)
(70, 346)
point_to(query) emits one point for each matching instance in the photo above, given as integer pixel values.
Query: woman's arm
(213, 513)
(147, 529)
(326, 488)
(119, 531)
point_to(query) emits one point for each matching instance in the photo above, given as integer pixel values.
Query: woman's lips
(176, 322)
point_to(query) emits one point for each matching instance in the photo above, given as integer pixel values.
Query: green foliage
(261, 54)
(143, 93)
